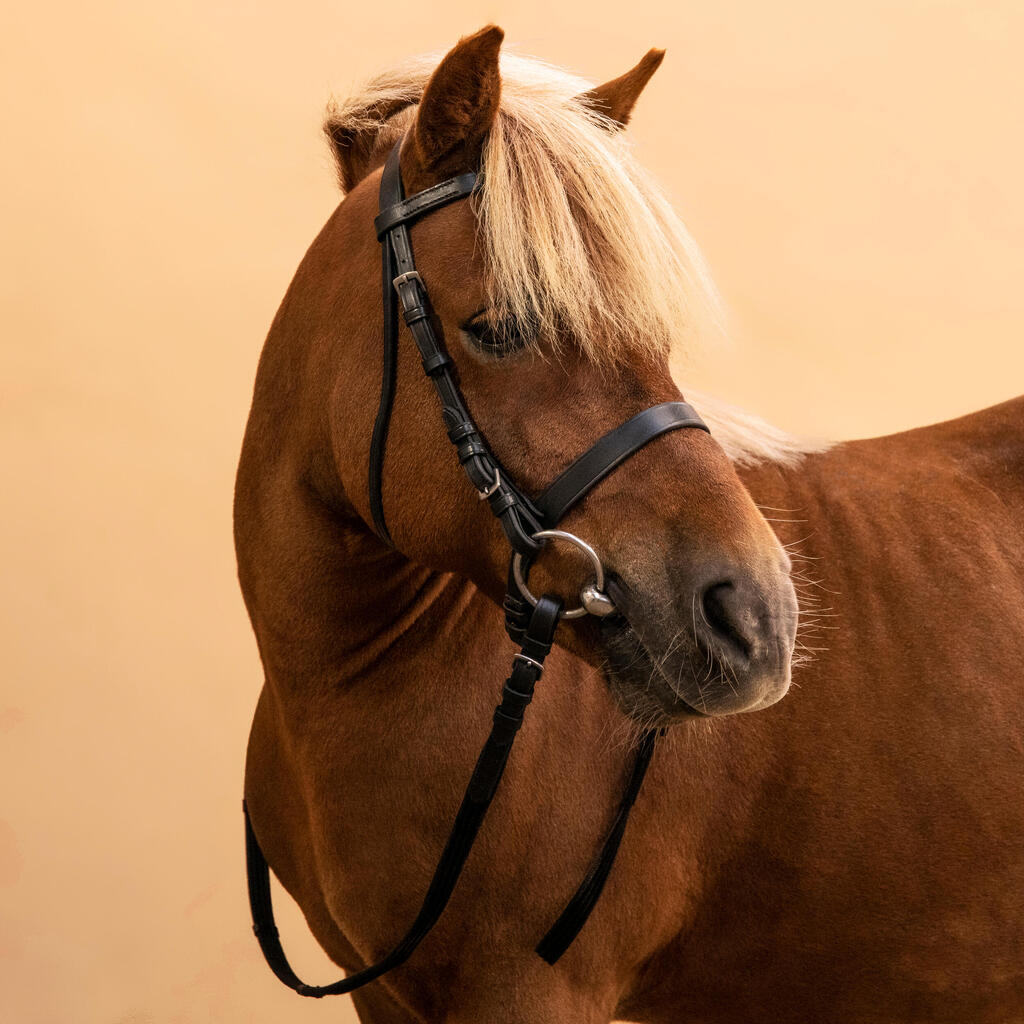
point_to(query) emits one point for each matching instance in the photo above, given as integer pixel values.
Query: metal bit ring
(596, 586)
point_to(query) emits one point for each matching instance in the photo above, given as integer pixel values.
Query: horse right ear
(459, 106)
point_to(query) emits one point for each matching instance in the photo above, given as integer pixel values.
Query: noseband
(528, 525)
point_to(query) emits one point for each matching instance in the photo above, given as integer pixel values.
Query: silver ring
(517, 568)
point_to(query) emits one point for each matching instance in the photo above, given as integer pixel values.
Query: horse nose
(736, 619)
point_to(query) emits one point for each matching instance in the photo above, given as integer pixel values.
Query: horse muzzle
(720, 647)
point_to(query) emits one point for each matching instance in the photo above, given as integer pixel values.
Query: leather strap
(563, 932)
(407, 210)
(483, 784)
(388, 383)
(611, 451)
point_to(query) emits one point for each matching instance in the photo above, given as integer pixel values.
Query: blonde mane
(579, 241)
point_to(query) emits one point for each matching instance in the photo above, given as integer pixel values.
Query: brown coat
(855, 853)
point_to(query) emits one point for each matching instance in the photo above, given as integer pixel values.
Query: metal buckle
(593, 599)
(489, 490)
(529, 661)
(409, 275)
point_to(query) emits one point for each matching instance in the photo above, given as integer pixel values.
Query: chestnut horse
(855, 854)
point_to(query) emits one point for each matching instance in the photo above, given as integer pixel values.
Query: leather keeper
(433, 363)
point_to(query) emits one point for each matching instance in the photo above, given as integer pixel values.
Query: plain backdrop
(852, 170)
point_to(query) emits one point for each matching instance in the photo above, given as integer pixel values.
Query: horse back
(988, 447)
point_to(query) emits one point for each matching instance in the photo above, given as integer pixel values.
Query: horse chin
(693, 681)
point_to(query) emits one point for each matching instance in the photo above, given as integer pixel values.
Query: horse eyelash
(491, 339)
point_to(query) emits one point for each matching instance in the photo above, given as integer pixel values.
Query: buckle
(492, 488)
(409, 275)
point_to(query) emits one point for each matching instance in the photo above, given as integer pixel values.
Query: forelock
(578, 242)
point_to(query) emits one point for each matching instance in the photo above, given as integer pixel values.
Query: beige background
(853, 171)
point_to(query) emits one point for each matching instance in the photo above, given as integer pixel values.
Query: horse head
(557, 289)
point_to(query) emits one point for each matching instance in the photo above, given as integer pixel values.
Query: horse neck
(329, 601)
(394, 608)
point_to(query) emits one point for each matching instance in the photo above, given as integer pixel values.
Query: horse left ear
(616, 99)
(459, 106)
(359, 148)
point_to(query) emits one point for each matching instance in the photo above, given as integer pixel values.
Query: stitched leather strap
(611, 451)
(433, 198)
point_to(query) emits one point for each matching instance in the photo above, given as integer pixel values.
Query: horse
(853, 853)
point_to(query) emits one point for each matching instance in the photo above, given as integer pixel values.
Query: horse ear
(459, 106)
(616, 99)
(361, 146)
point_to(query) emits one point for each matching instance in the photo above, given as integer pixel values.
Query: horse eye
(498, 340)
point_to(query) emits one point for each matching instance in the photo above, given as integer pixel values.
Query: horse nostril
(724, 612)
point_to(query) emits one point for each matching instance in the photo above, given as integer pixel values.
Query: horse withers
(854, 854)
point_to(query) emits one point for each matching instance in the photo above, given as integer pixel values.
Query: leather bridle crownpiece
(531, 622)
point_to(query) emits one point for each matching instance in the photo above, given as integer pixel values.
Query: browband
(405, 211)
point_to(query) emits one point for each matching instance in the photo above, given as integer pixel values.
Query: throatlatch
(531, 622)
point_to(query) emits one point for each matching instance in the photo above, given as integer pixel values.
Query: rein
(530, 621)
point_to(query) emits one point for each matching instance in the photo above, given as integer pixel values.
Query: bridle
(531, 622)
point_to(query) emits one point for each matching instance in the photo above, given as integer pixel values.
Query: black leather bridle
(531, 622)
